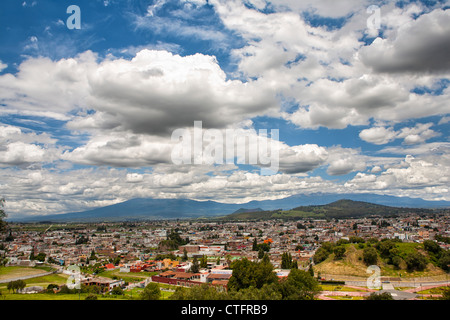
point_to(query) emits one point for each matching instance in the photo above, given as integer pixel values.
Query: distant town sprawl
(193, 252)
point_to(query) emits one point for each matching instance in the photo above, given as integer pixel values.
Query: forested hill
(350, 208)
(338, 209)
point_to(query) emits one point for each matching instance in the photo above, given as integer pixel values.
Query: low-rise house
(105, 284)
(218, 277)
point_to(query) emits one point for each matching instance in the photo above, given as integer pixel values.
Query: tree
(323, 252)
(384, 247)
(355, 239)
(255, 245)
(9, 286)
(16, 285)
(339, 252)
(91, 296)
(300, 226)
(299, 285)
(202, 292)
(151, 292)
(311, 270)
(294, 264)
(261, 253)
(446, 294)
(286, 260)
(118, 291)
(396, 261)
(441, 238)
(267, 292)
(3, 262)
(444, 261)
(204, 262)
(248, 274)
(40, 257)
(416, 261)
(432, 247)
(173, 241)
(370, 256)
(320, 255)
(195, 268)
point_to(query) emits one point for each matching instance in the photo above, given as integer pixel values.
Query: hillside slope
(352, 264)
(339, 209)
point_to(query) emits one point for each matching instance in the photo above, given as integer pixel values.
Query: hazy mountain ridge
(148, 208)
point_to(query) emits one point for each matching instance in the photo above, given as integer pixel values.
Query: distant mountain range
(148, 208)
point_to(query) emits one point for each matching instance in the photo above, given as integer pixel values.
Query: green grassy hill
(338, 209)
(352, 262)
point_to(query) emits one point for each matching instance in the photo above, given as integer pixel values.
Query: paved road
(408, 294)
(413, 284)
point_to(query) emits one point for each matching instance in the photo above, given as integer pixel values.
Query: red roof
(109, 266)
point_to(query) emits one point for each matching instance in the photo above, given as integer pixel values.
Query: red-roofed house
(109, 266)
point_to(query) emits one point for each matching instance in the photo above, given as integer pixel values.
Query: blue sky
(86, 115)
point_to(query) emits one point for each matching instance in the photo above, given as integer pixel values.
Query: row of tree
(16, 285)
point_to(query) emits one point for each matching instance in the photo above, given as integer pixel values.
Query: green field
(61, 279)
(127, 276)
(129, 295)
(328, 287)
(15, 272)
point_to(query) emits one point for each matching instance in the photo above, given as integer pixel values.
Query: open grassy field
(329, 287)
(129, 295)
(437, 290)
(16, 272)
(43, 281)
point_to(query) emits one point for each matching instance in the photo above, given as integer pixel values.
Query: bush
(384, 247)
(444, 261)
(320, 255)
(50, 288)
(323, 252)
(151, 292)
(432, 247)
(355, 239)
(380, 296)
(117, 291)
(16, 286)
(370, 256)
(396, 261)
(91, 296)
(66, 290)
(299, 285)
(416, 261)
(332, 282)
(248, 273)
(446, 294)
(201, 292)
(339, 252)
